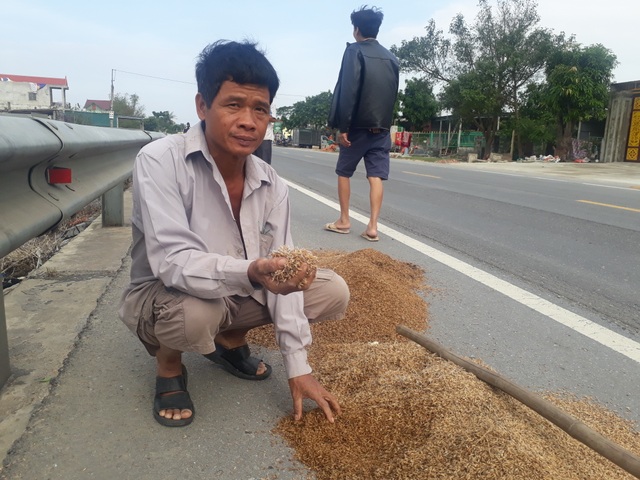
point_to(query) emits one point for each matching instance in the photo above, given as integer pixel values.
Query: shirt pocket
(266, 244)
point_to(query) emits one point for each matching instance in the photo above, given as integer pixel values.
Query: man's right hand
(260, 271)
(343, 138)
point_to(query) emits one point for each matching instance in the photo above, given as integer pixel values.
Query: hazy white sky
(152, 46)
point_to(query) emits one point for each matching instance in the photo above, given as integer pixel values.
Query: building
(25, 94)
(99, 106)
(622, 132)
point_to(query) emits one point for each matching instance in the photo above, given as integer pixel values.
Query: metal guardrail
(100, 159)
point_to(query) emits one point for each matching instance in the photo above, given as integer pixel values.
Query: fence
(50, 170)
(444, 143)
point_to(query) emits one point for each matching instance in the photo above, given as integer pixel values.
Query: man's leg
(344, 195)
(231, 339)
(327, 298)
(376, 191)
(169, 364)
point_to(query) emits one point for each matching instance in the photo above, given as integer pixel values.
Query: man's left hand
(306, 386)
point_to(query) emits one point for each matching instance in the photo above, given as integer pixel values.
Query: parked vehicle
(306, 138)
(283, 141)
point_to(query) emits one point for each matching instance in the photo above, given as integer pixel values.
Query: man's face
(236, 121)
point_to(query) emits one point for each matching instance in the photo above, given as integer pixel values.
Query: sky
(150, 48)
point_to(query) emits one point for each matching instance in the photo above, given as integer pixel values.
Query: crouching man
(206, 215)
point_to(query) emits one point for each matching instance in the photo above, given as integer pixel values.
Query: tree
(537, 121)
(577, 88)
(312, 112)
(418, 103)
(125, 105)
(495, 57)
(163, 122)
(128, 105)
(475, 97)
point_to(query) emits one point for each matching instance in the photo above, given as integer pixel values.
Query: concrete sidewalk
(79, 402)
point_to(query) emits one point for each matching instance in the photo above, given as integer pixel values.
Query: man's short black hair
(241, 63)
(367, 20)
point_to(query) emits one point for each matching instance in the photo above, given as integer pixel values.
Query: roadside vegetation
(35, 252)
(501, 72)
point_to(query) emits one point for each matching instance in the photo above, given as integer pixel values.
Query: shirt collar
(195, 141)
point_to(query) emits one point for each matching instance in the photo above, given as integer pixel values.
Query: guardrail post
(5, 367)
(113, 207)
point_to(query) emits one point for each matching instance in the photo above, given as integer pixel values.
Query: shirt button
(240, 251)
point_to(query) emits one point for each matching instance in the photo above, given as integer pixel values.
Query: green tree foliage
(163, 122)
(483, 67)
(125, 105)
(537, 121)
(128, 105)
(475, 98)
(577, 88)
(312, 112)
(418, 103)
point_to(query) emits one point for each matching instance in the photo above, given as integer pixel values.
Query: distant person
(206, 216)
(265, 148)
(362, 111)
(186, 129)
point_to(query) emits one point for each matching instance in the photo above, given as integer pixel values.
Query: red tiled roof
(102, 104)
(58, 82)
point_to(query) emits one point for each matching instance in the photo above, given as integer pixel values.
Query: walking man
(362, 111)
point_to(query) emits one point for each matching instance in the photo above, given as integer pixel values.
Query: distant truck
(306, 138)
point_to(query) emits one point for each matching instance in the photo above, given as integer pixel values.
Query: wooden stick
(574, 427)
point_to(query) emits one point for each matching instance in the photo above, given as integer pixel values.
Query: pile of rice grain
(408, 414)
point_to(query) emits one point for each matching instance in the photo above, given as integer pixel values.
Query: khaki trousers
(160, 315)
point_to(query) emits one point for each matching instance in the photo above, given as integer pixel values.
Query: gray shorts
(160, 315)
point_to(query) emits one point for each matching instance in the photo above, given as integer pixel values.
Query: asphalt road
(79, 403)
(514, 260)
(574, 240)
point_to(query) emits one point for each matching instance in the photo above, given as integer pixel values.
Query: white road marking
(592, 330)
(611, 186)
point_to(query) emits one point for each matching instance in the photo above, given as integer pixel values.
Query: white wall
(15, 96)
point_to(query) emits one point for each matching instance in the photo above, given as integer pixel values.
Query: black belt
(376, 130)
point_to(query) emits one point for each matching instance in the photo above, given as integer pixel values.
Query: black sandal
(179, 400)
(239, 362)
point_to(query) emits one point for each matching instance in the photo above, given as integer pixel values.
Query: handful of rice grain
(295, 258)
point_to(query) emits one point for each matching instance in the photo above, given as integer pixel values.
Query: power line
(188, 83)
(157, 78)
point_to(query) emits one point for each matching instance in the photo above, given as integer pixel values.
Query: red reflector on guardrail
(56, 175)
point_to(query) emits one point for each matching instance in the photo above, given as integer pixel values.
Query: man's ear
(201, 106)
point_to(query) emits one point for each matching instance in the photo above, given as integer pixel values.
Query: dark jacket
(367, 88)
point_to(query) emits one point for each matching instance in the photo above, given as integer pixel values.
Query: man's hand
(306, 386)
(343, 138)
(260, 271)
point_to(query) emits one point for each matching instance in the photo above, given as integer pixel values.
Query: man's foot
(239, 362)
(172, 405)
(370, 237)
(334, 227)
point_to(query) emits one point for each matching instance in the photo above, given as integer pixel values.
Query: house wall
(618, 129)
(15, 96)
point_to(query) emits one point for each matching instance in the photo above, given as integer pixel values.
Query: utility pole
(111, 106)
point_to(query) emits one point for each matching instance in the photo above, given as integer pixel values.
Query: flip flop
(368, 237)
(332, 228)
(178, 400)
(239, 362)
